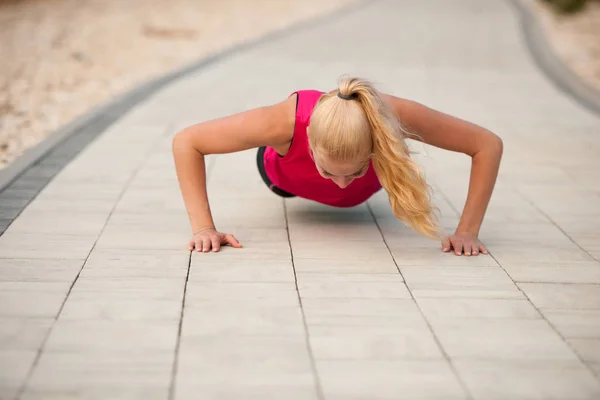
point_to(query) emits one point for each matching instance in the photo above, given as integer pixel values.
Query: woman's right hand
(209, 238)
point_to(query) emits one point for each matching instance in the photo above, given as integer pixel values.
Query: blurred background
(60, 58)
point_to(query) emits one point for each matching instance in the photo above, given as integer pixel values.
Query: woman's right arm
(264, 126)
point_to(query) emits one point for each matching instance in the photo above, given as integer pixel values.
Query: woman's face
(342, 174)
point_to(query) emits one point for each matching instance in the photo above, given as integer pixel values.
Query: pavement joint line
(313, 364)
(40, 351)
(446, 356)
(563, 338)
(175, 368)
(549, 218)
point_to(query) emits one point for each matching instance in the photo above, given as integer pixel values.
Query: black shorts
(260, 162)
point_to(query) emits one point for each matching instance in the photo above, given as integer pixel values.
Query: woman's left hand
(463, 242)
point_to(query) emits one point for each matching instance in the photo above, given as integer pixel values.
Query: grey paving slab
(39, 270)
(23, 334)
(103, 374)
(66, 222)
(502, 339)
(110, 335)
(531, 380)
(388, 379)
(370, 328)
(32, 299)
(103, 264)
(460, 281)
(14, 366)
(241, 271)
(274, 293)
(45, 246)
(587, 348)
(212, 318)
(392, 288)
(91, 306)
(563, 296)
(574, 323)
(444, 307)
(344, 266)
(563, 272)
(250, 392)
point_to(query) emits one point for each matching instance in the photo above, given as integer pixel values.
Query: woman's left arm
(454, 134)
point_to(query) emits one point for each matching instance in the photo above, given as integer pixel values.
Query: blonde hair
(360, 126)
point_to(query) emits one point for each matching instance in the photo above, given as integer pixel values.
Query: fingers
(231, 240)
(446, 244)
(205, 243)
(474, 249)
(483, 249)
(458, 247)
(216, 244)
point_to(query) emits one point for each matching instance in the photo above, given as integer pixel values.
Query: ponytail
(399, 175)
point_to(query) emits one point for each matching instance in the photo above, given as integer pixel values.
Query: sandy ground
(62, 57)
(574, 38)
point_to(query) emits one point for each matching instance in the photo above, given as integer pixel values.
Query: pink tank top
(296, 172)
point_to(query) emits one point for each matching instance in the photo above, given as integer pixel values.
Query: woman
(339, 148)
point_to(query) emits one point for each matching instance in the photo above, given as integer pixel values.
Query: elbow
(497, 145)
(182, 142)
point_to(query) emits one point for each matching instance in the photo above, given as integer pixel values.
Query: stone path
(100, 300)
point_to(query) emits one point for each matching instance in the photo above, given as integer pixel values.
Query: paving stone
(148, 201)
(541, 380)
(190, 390)
(311, 232)
(344, 266)
(267, 293)
(437, 308)
(582, 272)
(563, 296)
(15, 367)
(501, 339)
(133, 289)
(105, 264)
(115, 335)
(574, 323)
(118, 237)
(390, 289)
(459, 281)
(357, 328)
(32, 299)
(66, 222)
(39, 270)
(93, 306)
(385, 379)
(546, 254)
(242, 271)
(373, 251)
(255, 360)
(40, 245)
(218, 318)
(97, 392)
(101, 374)
(10, 212)
(587, 348)
(23, 334)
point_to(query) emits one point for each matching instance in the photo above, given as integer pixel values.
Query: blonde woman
(339, 148)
